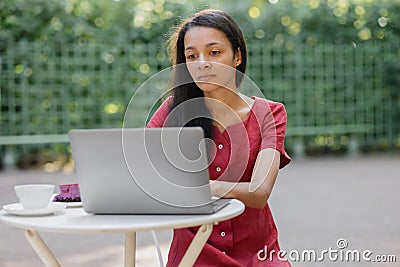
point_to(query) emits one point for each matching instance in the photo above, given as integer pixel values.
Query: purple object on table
(68, 193)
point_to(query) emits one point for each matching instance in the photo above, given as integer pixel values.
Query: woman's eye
(191, 56)
(215, 52)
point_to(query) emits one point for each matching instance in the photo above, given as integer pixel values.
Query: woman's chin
(207, 87)
(210, 87)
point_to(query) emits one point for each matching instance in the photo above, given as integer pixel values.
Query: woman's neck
(227, 107)
(220, 101)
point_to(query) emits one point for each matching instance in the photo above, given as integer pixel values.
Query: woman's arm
(253, 194)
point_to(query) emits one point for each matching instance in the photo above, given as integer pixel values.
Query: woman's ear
(238, 57)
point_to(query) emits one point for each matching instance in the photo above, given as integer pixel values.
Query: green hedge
(75, 63)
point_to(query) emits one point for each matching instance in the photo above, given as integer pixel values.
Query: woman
(247, 133)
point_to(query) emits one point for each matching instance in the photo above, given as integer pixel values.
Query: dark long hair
(184, 88)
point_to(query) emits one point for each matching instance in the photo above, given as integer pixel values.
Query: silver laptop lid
(163, 170)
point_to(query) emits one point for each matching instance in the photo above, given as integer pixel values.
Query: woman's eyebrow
(213, 43)
(189, 48)
(207, 45)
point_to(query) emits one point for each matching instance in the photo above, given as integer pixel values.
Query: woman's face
(210, 59)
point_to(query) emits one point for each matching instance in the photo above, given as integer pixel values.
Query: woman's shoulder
(267, 105)
(160, 116)
(167, 103)
(169, 99)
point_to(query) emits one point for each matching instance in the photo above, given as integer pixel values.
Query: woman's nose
(204, 65)
(203, 62)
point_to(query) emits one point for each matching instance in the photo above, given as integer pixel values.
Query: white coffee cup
(34, 196)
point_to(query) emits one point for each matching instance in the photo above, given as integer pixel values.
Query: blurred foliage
(113, 23)
(331, 21)
(129, 36)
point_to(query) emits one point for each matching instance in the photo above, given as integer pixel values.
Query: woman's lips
(205, 77)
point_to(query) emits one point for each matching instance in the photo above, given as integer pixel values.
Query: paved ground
(315, 202)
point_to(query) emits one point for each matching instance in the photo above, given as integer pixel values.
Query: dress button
(222, 233)
(218, 169)
(220, 146)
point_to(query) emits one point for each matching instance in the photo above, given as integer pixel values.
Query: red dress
(240, 241)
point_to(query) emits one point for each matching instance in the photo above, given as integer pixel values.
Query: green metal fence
(333, 93)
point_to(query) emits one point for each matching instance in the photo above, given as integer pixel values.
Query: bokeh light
(254, 12)
(365, 34)
(144, 68)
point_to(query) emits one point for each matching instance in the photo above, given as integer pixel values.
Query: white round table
(75, 220)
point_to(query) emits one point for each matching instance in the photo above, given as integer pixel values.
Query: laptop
(143, 171)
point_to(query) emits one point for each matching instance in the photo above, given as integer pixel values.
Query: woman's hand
(255, 193)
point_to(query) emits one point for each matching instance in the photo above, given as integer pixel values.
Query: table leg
(197, 245)
(130, 249)
(41, 249)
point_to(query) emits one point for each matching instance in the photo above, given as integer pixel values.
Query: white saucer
(68, 204)
(17, 209)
